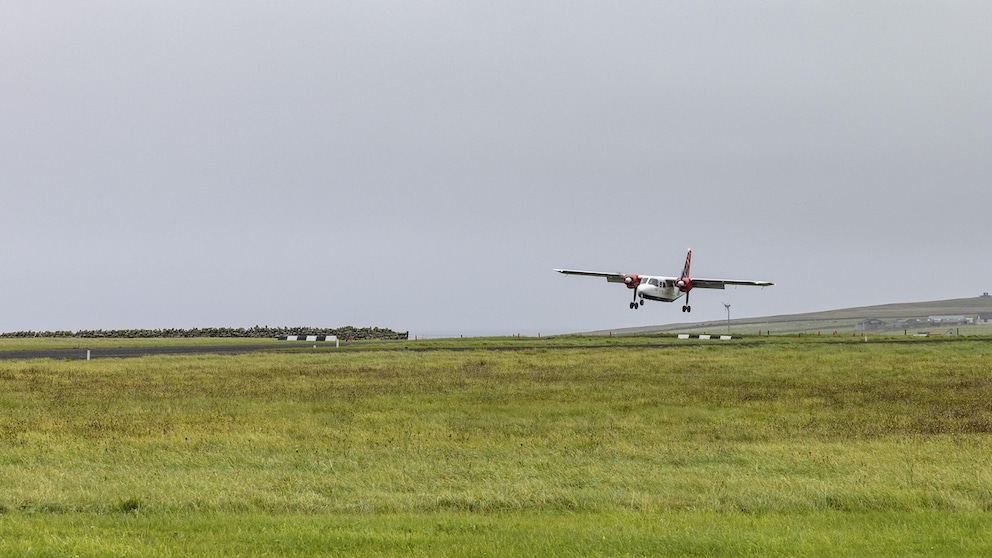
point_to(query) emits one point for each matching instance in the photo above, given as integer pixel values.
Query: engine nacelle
(684, 284)
(632, 281)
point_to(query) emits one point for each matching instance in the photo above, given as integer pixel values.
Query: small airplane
(664, 289)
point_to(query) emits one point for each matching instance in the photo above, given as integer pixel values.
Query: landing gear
(687, 308)
(635, 304)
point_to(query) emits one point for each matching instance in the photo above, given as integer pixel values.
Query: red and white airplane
(664, 289)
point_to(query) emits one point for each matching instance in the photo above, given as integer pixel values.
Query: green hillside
(910, 318)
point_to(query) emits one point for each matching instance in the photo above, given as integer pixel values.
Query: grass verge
(769, 449)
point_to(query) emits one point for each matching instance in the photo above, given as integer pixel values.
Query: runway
(131, 352)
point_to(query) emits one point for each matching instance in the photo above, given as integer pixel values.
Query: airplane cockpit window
(653, 282)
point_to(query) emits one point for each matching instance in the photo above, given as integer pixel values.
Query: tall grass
(612, 447)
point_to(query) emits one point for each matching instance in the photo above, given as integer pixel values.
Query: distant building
(984, 318)
(871, 324)
(948, 319)
(909, 323)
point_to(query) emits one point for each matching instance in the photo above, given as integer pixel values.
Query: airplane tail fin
(688, 260)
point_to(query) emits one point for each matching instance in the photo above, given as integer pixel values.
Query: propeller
(632, 281)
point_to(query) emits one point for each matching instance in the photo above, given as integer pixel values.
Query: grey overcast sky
(424, 165)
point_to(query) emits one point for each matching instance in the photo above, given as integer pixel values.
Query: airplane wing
(721, 283)
(611, 277)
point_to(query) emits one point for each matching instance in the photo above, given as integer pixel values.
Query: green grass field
(760, 449)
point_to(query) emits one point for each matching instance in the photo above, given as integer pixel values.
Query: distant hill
(911, 317)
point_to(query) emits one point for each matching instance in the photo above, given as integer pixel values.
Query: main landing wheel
(687, 308)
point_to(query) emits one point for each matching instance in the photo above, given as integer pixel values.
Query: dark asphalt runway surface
(131, 352)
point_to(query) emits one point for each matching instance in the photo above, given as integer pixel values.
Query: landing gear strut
(687, 308)
(634, 305)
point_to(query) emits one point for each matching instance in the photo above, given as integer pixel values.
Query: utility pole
(728, 317)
